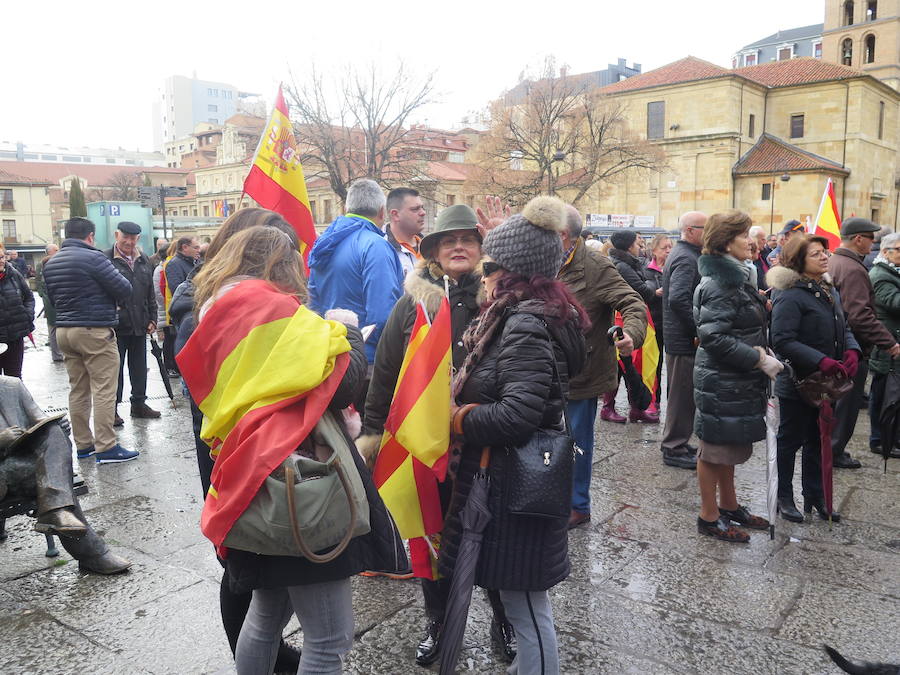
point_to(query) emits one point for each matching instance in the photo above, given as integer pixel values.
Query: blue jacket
(352, 266)
(84, 287)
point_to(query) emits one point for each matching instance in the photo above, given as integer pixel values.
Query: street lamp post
(784, 179)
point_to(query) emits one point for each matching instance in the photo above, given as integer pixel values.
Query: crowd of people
(737, 314)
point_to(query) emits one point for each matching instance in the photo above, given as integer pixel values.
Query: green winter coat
(886, 282)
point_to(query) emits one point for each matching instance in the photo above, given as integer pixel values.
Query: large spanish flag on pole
(828, 221)
(276, 178)
(414, 448)
(262, 369)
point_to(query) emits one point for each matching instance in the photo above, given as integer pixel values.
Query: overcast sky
(86, 73)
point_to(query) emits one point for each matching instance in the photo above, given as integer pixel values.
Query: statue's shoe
(61, 522)
(108, 563)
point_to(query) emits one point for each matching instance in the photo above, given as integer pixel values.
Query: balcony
(7, 206)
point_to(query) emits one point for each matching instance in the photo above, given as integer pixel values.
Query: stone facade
(864, 34)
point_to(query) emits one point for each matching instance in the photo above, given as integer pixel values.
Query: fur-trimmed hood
(726, 271)
(782, 278)
(425, 284)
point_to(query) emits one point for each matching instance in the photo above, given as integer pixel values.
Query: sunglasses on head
(490, 267)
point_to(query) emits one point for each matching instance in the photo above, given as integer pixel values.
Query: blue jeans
(531, 615)
(582, 415)
(325, 612)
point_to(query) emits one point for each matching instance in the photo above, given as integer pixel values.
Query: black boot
(503, 636)
(788, 510)
(430, 646)
(818, 503)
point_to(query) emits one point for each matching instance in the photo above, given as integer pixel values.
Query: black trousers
(134, 348)
(799, 428)
(168, 348)
(846, 411)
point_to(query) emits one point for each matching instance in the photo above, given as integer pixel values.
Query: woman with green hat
(451, 262)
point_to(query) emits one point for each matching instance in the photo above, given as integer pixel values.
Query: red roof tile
(92, 174)
(772, 155)
(797, 71)
(9, 178)
(688, 69)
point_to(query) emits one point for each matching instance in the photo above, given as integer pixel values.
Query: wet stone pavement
(647, 594)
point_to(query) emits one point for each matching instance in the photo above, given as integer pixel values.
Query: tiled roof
(9, 178)
(93, 174)
(797, 71)
(772, 155)
(687, 69)
(789, 35)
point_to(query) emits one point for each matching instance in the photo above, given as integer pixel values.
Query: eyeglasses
(490, 267)
(449, 241)
(867, 235)
(892, 248)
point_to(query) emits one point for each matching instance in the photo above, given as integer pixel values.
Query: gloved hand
(851, 362)
(345, 316)
(769, 364)
(831, 367)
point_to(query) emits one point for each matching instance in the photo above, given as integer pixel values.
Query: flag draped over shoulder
(413, 455)
(262, 368)
(276, 178)
(828, 221)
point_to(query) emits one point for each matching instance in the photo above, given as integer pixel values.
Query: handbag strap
(558, 380)
(289, 479)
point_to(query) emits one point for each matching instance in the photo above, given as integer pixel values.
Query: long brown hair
(243, 219)
(260, 252)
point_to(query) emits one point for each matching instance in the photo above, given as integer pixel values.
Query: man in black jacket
(85, 288)
(680, 278)
(137, 317)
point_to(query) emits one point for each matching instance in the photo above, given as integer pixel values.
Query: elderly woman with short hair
(731, 373)
(885, 276)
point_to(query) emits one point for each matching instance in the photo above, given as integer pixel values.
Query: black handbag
(539, 472)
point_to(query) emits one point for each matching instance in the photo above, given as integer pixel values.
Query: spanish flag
(646, 358)
(276, 178)
(262, 369)
(828, 221)
(413, 455)
(164, 289)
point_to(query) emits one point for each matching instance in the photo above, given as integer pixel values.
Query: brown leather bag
(819, 387)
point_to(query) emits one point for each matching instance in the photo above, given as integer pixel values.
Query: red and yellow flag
(262, 368)
(276, 178)
(646, 359)
(828, 220)
(413, 455)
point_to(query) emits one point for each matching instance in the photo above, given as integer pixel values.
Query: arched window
(847, 52)
(869, 54)
(848, 13)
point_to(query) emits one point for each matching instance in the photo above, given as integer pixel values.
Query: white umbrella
(773, 417)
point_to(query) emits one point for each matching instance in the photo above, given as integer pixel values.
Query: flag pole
(821, 206)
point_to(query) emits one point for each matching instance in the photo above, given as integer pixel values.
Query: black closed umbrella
(156, 350)
(474, 518)
(889, 417)
(639, 396)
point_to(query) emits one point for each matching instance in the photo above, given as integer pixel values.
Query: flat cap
(127, 227)
(857, 225)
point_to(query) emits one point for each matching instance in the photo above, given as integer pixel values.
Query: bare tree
(557, 132)
(356, 126)
(124, 186)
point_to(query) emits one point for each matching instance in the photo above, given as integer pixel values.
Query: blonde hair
(259, 252)
(243, 219)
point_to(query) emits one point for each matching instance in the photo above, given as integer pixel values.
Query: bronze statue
(36, 463)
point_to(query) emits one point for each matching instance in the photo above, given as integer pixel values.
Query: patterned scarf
(823, 283)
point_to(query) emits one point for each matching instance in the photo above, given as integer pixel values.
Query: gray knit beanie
(528, 243)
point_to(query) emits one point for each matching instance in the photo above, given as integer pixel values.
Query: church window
(869, 55)
(656, 119)
(881, 119)
(872, 10)
(848, 13)
(766, 191)
(797, 126)
(847, 52)
(751, 127)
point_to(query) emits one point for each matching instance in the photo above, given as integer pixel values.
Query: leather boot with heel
(608, 412)
(788, 510)
(819, 505)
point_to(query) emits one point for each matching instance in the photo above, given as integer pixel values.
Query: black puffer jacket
(806, 327)
(380, 549)
(517, 393)
(16, 306)
(83, 285)
(680, 278)
(136, 313)
(425, 285)
(177, 270)
(634, 272)
(655, 277)
(729, 391)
